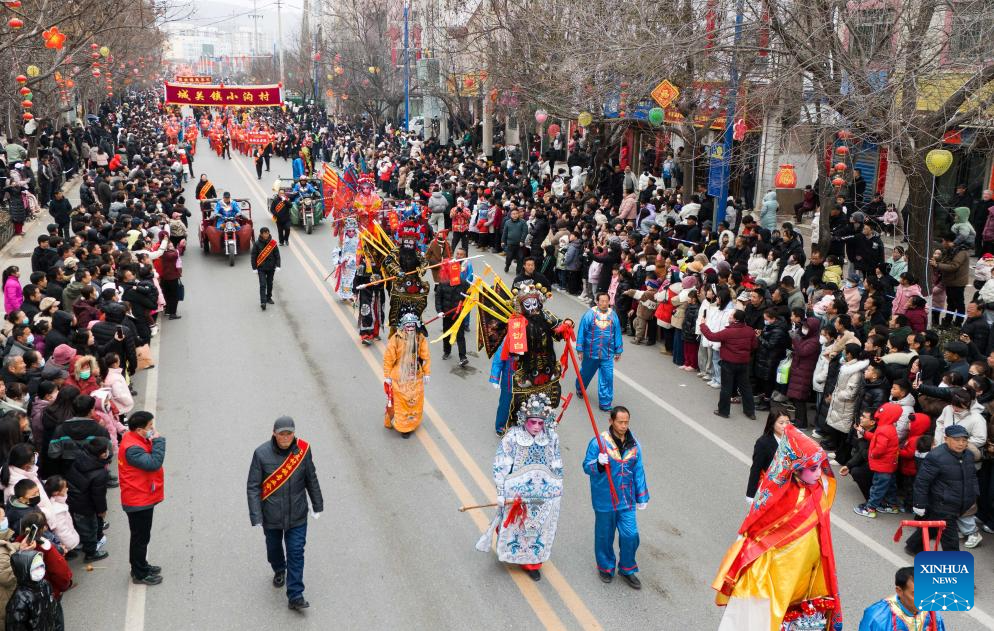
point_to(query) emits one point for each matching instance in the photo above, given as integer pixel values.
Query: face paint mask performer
(406, 370)
(780, 572)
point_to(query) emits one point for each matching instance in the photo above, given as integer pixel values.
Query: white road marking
(134, 613)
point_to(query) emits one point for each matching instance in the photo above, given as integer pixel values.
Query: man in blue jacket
(899, 611)
(624, 456)
(501, 373)
(598, 345)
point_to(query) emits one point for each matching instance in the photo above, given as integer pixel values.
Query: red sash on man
(266, 251)
(203, 188)
(283, 472)
(279, 206)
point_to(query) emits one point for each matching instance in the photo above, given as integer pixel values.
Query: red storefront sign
(220, 95)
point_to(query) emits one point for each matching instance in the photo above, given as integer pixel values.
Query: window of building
(971, 36)
(870, 32)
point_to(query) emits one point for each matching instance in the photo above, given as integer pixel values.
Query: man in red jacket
(738, 341)
(139, 465)
(882, 457)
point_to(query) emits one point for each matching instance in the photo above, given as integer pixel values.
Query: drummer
(227, 208)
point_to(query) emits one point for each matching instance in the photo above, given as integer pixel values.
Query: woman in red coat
(169, 277)
(802, 367)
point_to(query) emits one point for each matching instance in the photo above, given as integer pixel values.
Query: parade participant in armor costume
(411, 221)
(371, 300)
(406, 370)
(367, 203)
(438, 249)
(528, 474)
(782, 566)
(346, 260)
(537, 368)
(205, 189)
(409, 291)
(598, 346)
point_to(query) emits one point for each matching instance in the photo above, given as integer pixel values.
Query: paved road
(391, 551)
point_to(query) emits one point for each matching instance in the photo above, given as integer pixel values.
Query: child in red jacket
(883, 453)
(919, 425)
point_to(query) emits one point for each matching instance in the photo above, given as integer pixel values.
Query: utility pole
(255, 27)
(733, 87)
(279, 39)
(407, 70)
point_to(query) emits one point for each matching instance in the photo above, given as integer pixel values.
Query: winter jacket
(846, 397)
(946, 483)
(738, 341)
(768, 214)
(104, 333)
(971, 419)
(907, 404)
(918, 426)
(690, 331)
(139, 469)
(627, 473)
(514, 232)
(13, 295)
(119, 390)
(32, 606)
(286, 508)
(88, 478)
(955, 267)
(437, 203)
(86, 311)
(8, 582)
(902, 297)
(773, 343)
(272, 261)
(802, 364)
(875, 394)
(762, 455)
(884, 446)
(60, 522)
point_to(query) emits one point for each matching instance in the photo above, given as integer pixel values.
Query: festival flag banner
(221, 95)
(258, 137)
(330, 181)
(194, 79)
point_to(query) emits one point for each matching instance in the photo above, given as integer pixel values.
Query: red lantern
(553, 130)
(21, 79)
(786, 177)
(25, 91)
(15, 23)
(844, 134)
(841, 166)
(94, 46)
(13, 4)
(838, 182)
(26, 104)
(27, 116)
(96, 72)
(842, 150)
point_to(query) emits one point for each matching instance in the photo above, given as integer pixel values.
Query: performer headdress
(529, 298)
(537, 406)
(409, 321)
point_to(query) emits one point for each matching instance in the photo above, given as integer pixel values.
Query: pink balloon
(541, 116)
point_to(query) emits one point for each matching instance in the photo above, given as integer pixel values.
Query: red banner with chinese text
(194, 79)
(219, 95)
(258, 138)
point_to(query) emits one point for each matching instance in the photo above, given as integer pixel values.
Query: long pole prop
(590, 412)
(419, 270)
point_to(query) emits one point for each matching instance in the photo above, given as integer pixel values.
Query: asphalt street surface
(391, 551)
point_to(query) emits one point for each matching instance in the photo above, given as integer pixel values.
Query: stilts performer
(372, 299)
(366, 202)
(406, 371)
(780, 572)
(518, 334)
(346, 260)
(528, 474)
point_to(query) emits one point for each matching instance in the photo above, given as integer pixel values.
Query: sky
(228, 14)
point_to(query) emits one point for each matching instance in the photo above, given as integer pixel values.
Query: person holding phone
(139, 463)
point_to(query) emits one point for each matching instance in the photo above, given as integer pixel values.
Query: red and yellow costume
(367, 203)
(783, 565)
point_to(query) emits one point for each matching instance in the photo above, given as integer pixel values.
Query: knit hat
(64, 355)
(47, 302)
(689, 282)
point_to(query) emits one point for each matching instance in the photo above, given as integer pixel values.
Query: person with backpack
(87, 498)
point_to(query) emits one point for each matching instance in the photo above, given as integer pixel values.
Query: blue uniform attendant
(889, 614)
(598, 340)
(629, 483)
(501, 372)
(226, 213)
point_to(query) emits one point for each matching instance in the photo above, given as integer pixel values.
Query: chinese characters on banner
(194, 79)
(217, 95)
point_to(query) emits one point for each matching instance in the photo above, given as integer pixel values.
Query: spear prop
(442, 315)
(569, 397)
(419, 270)
(569, 336)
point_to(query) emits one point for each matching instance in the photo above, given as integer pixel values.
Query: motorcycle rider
(226, 208)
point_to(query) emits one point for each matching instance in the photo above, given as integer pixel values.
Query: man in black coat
(773, 343)
(975, 332)
(44, 257)
(265, 257)
(946, 487)
(60, 209)
(281, 478)
(113, 335)
(72, 435)
(447, 298)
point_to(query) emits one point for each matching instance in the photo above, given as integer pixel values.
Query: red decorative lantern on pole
(842, 150)
(840, 166)
(15, 23)
(786, 177)
(838, 182)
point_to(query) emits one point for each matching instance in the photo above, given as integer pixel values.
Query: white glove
(500, 501)
(602, 458)
(920, 512)
(641, 506)
(276, 270)
(257, 525)
(749, 501)
(496, 386)
(315, 515)
(427, 378)
(388, 381)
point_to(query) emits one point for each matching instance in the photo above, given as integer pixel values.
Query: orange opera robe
(406, 363)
